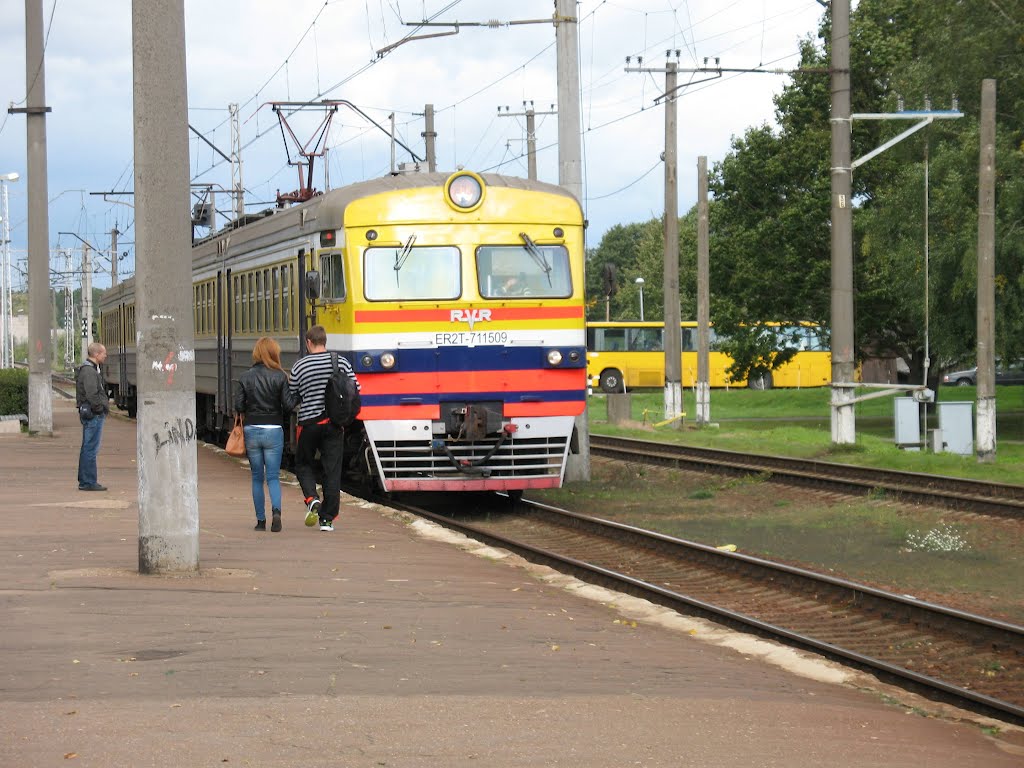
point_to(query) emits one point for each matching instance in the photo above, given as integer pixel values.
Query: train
(457, 298)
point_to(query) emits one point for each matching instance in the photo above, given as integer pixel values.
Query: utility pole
(570, 174)
(236, 167)
(69, 314)
(673, 332)
(40, 319)
(165, 361)
(843, 414)
(6, 307)
(429, 135)
(703, 297)
(113, 256)
(986, 416)
(86, 281)
(531, 133)
(86, 301)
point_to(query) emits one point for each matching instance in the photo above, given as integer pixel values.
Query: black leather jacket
(262, 395)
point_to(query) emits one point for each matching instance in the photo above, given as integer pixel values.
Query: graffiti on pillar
(168, 364)
(178, 433)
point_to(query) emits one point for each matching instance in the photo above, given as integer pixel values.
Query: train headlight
(366, 361)
(387, 361)
(574, 356)
(464, 191)
(554, 357)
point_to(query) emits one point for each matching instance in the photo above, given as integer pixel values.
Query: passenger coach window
(332, 273)
(430, 273)
(518, 271)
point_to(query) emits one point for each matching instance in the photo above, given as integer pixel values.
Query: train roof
(326, 211)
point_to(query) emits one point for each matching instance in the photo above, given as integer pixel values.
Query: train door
(225, 325)
(309, 292)
(122, 357)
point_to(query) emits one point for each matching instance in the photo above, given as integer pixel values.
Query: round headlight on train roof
(387, 361)
(464, 191)
(554, 357)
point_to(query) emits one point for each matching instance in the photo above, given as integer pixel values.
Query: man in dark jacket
(93, 406)
(308, 384)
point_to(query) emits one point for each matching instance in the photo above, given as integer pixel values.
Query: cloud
(250, 52)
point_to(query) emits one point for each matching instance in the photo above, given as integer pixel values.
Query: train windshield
(428, 273)
(525, 270)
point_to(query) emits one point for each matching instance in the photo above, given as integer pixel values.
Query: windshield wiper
(537, 254)
(401, 258)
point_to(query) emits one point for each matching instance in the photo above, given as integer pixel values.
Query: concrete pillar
(167, 461)
(620, 407)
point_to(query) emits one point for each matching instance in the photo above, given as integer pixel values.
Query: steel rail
(934, 617)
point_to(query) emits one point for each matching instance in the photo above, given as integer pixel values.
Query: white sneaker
(326, 525)
(313, 512)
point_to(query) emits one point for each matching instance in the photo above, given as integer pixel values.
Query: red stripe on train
(554, 380)
(433, 412)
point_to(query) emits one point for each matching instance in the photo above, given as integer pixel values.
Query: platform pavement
(380, 644)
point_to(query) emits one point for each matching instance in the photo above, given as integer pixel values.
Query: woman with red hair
(264, 399)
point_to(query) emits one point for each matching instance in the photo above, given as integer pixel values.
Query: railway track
(945, 654)
(997, 499)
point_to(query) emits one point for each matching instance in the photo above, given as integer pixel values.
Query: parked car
(1006, 373)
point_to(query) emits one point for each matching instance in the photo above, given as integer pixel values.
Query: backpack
(341, 396)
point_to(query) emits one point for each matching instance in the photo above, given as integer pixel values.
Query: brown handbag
(235, 445)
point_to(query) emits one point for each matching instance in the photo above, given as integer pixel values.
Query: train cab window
(428, 273)
(332, 270)
(518, 271)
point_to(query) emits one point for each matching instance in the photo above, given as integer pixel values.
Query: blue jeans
(264, 448)
(92, 431)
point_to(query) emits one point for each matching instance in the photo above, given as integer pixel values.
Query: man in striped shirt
(316, 432)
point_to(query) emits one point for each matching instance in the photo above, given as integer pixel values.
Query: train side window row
(110, 327)
(264, 300)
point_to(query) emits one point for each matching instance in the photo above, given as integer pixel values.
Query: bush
(13, 391)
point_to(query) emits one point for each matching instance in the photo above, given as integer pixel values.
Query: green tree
(771, 254)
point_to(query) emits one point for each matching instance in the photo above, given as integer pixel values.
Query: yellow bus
(630, 354)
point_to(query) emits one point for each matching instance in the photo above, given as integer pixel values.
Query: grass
(797, 423)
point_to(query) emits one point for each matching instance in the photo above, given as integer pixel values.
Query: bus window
(431, 273)
(609, 340)
(516, 272)
(646, 340)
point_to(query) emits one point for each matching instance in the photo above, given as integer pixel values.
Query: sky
(480, 81)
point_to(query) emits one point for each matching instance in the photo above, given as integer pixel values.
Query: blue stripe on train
(490, 358)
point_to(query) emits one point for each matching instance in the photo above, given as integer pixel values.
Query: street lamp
(6, 308)
(640, 282)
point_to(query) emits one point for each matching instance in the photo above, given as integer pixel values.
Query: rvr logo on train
(470, 316)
